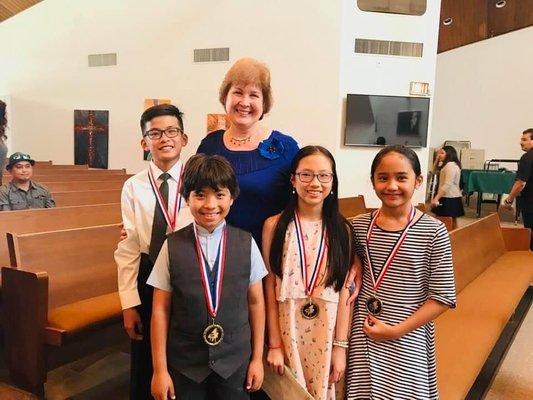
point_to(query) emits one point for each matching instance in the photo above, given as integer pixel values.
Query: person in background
(3, 137)
(522, 189)
(448, 202)
(22, 193)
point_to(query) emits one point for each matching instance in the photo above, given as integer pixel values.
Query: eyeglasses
(156, 134)
(306, 176)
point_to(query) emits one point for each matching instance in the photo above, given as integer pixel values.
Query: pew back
(52, 219)
(79, 262)
(475, 247)
(81, 198)
(44, 179)
(350, 207)
(82, 186)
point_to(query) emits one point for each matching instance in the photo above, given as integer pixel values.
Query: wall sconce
(419, 88)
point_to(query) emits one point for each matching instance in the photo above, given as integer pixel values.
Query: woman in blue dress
(261, 158)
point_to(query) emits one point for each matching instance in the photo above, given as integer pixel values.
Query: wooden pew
(62, 292)
(60, 166)
(77, 186)
(51, 219)
(490, 280)
(68, 172)
(43, 163)
(80, 198)
(350, 207)
(44, 179)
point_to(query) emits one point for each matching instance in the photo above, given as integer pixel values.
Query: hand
(162, 386)
(276, 360)
(354, 281)
(123, 233)
(507, 205)
(338, 364)
(132, 323)
(255, 375)
(434, 203)
(378, 330)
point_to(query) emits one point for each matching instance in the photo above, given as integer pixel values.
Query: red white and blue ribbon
(212, 299)
(310, 281)
(377, 282)
(171, 219)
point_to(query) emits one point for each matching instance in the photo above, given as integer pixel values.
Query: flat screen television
(382, 120)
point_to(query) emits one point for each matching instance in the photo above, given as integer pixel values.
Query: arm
(162, 386)
(518, 186)
(256, 307)
(127, 258)
(522, 176)
(445, 181)
(4, 199)
(338, 356)
(275, 358)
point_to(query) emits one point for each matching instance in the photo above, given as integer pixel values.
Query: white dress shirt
(138, 204)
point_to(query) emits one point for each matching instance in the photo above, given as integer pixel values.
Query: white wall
(308, 46)
(484, 93)
(383, 75)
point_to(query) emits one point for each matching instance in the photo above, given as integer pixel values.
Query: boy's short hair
(203, 171)
(158, 111)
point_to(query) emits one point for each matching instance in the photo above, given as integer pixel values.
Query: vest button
(212, 363)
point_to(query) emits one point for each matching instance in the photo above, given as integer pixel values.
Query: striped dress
(422, 269)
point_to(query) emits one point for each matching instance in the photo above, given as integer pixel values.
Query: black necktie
(159, 226)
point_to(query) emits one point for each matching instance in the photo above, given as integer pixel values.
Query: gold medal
(310, 310)
(374, 305)
(213, 334)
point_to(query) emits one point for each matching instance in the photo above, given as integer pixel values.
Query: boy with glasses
(22, 193)
(151, 208)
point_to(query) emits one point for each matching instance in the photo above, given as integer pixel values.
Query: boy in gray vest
(208, 315)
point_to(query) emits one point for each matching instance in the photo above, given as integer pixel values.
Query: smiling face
(164, 150)
(315, 191)
(21, 172)
(395, 181)
(244, 105)
(210, 207)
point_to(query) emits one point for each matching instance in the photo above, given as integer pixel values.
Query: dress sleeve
(441, 281)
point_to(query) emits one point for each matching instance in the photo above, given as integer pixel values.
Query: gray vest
(186, 350)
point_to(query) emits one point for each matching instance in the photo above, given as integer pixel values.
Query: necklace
(240, 142)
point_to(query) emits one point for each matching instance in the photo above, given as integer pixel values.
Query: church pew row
(60, 166)
(39, 163)
(51, 219)
(86, 197)
(78, 186)
(68, 172)
(44, 179)
(61, 293)
(351, 207)
(491, 279)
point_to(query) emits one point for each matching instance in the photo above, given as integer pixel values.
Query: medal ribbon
(171, 221)
(212, 300)
(310, 283)
(377, 282)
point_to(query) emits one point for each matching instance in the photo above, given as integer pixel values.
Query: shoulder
(234, 231)
(4, 189)
(211, 142)
(183, 232)
(430, 226)
(287, 140)
(41, 187)
(137, 179)
(271, 222)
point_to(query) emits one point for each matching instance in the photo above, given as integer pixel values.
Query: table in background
(483, 181)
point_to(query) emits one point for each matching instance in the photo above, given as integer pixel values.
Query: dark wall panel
(469, 23)
(516, 14)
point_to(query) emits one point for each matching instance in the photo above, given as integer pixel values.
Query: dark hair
(400, 149)
(451, 155)
(530, 132)
(158, 111)
(338, 229)
(3, 120)
(203, 171)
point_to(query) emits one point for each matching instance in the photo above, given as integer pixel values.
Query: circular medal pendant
(213, 334)
(374, 305)
(310, 310)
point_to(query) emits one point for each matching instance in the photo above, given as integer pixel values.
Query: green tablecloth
(477, 180)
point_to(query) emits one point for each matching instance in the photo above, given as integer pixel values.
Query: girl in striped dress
(307, 250)
(407, 282)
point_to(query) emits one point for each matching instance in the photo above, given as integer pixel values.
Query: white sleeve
(160, 275)
(128, 254)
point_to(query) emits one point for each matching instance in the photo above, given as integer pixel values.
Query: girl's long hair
(451, 155)
(339, 256)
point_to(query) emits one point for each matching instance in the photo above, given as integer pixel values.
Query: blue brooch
(271, 148)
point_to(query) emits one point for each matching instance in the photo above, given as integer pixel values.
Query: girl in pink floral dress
(307, 250)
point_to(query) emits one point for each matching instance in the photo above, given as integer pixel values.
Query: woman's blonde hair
(247, 71)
